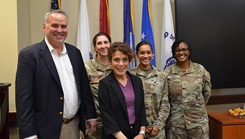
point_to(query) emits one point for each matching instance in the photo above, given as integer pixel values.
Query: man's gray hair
(54, 11)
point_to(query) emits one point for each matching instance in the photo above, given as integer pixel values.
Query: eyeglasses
(184, 50)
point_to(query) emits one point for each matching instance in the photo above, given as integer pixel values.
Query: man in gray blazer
(53, 96)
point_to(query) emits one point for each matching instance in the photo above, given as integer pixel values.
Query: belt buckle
(66, 121)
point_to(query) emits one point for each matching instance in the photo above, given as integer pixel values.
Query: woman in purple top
(121, 98)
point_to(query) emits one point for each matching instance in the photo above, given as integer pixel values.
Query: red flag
(104, 17)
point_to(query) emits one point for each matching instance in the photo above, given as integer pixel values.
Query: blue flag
(55, 5)
(146, 30)
(128, 28)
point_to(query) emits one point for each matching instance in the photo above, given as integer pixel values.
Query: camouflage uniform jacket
(188, 92)
(96, 72)
(156, 102)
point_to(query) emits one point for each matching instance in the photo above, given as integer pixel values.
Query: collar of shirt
(176, 70)
(51, 49)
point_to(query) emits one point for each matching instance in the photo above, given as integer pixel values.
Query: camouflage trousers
(183, 133)
(97, 135)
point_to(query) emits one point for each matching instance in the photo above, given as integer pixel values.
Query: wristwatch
(142, 132)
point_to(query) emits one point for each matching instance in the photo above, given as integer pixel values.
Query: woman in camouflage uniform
(189, 88)
(156, 102)
(97, 69)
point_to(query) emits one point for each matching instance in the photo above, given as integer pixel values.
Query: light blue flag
(146, 30)
(128, 28)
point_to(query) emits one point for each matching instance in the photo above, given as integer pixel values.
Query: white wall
(9, 46)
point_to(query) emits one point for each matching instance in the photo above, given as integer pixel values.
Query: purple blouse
(128, 92)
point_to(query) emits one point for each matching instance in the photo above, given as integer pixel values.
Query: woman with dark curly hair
(121, 98)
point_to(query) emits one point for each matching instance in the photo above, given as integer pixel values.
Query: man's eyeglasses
(183, 50)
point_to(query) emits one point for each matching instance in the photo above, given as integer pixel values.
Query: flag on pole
(146, 29)
(168, 36)
(104, 17)
(83, 34)
(128, 16)
(55, 5)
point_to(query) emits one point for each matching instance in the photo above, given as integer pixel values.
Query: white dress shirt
(67, 79)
